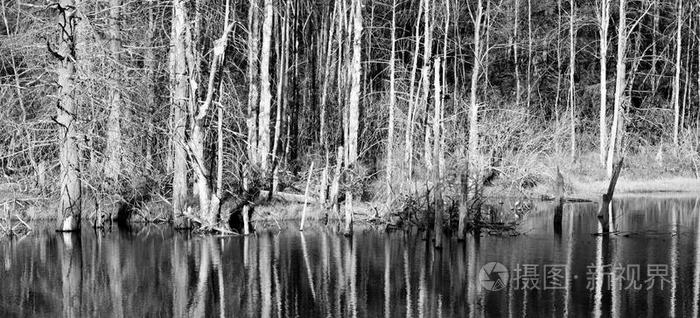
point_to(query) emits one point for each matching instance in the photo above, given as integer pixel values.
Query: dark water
(156, 272)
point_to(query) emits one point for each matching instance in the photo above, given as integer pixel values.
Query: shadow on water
(155, 271)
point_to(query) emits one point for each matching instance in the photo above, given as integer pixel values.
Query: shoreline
(675, 187)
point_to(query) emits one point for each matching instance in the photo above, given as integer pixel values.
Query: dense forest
(197, 102)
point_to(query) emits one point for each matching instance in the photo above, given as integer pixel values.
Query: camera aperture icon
(493, 276)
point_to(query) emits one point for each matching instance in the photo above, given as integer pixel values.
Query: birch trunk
(473, 117)
(354, 111)
(114, 134)
(408, 158)
(620, 83)
(677, 77)
(572, 70)
(69, 157)
(253, 73)
(265, 95)
(515, 52)
(604, 24)
(180, 97)
(356, 75)
(392, 102)
(437, 190)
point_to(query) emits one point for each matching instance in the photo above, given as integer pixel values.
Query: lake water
(648, 267)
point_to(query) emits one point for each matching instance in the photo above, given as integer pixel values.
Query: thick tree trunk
(473, 118)
(354, 105)
(180, 97)
(114, 133)
(356, 75)
(604, 24)
(69, 157)
(620, 83)
(265, 95)
(474, 106)
(253, 74)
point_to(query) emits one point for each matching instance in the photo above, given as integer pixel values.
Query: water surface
(153, 271)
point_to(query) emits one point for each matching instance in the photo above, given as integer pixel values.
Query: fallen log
(289, 197)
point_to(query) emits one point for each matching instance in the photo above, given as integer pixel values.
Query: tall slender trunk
(114, 133)
(515, 51)
(425, 78)
(253, 73)
(356, 75)
(67, 110)
(677, 78)
(437, 190)
(604, 24)
(473, 120)
(392, 102)
(557, 98)
(283, 61)
(620, 83)
(354, 104)
(572, 89)
(265, 95)
(529, 53)
(411, 104)
(654, 49)
(150, 63)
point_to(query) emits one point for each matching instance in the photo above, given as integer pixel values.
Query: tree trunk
(150, 63)
(265, 95)
(114, 134)
(425, 78)
(253, 73)
(392, 103)
(180, 97)
(356, 75)
(283, 60)
(474, 106)
(69, 157)
(620, 83)
(408, 155)
(604, 24)
(572, 88)
(529, 53)
(516, 63)
(677, 77)
(474, 111)
(437, 190)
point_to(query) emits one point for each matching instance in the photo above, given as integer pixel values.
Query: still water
(648, 267)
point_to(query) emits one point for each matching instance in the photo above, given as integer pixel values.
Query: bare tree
(354, 103)
(67, 108)
(180, 97)
(572, 69)
(604, 19)
(677, 77)
(620, 82)
(265, 95)
(392, 101)
(473, 117)
(114, 134)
